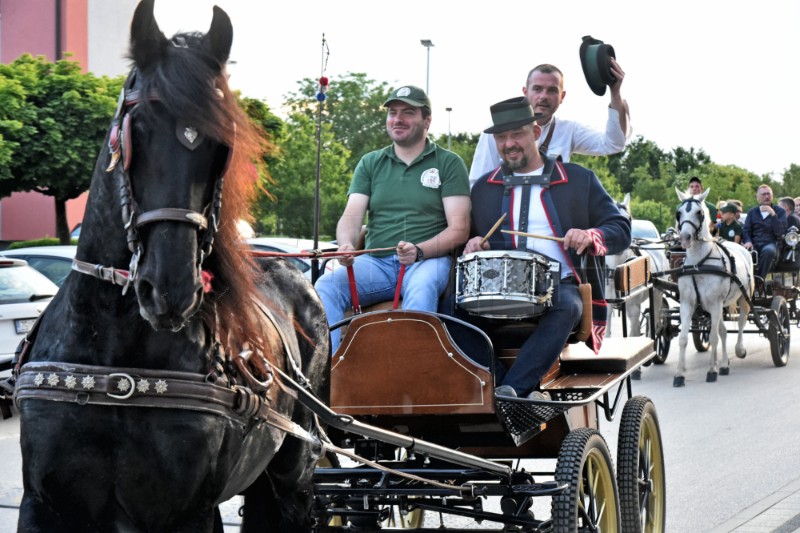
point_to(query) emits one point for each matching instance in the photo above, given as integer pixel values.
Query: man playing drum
(543, 196)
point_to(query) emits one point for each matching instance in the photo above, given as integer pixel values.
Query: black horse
(154, 386)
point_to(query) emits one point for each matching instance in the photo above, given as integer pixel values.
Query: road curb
(777, 512)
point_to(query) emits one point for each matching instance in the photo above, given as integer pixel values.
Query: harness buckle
(127, 385)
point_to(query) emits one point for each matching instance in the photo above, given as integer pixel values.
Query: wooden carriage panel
(405, 362)
(632, 274)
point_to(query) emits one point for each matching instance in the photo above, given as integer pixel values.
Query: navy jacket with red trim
(575, 198)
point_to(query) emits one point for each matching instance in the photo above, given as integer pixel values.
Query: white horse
(715, 274)
(658, 263)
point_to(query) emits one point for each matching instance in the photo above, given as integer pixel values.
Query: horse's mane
(192, 84)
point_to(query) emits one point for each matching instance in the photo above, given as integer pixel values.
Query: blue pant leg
(375, 281)
(543, 347)
(766, 257)
(424, 282)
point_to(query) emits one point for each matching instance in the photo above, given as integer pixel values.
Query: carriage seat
(617, 355)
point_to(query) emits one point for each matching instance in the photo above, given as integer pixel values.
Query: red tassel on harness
(207, 278)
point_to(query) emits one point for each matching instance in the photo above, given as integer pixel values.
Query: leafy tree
(353, 110)
(643, 154)
(464, 144)
(688, 160)
(55, 130)
(290, 210)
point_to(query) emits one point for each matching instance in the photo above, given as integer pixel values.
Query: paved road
(731, 458)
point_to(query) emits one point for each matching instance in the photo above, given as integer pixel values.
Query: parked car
(646, 234)
(293, 246)
(24, 294)
(55, 262)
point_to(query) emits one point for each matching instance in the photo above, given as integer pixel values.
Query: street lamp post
(427, 43)
(449, 144)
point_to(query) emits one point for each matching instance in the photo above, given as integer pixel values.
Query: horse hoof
(678, 381)
(742, 354)
(636, 374)
(711, 377)
(724, 371)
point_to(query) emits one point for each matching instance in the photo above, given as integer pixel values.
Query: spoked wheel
(402, 518)
(663, 334)
(701, 331)
(591, 503)
(779, 332)
(640, 468)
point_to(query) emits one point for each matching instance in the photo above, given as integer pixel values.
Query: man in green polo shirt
(415, 195)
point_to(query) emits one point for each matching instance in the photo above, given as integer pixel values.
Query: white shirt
(569, 137)
(538, 224)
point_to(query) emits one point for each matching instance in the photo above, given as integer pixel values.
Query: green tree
(353, 110)
(791, 181)
(464, 144)
(56, 130)
(289, 209)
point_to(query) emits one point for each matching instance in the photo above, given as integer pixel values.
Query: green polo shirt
(405, 201)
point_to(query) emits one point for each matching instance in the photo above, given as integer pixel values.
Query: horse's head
(170, 144)
(692, 218)
(625, 206)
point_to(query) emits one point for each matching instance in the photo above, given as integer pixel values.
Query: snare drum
(505, 284)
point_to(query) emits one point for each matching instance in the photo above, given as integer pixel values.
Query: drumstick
(494, 228)
(521, 234)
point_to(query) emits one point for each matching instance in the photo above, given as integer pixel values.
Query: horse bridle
(697, 227)
(120, 150)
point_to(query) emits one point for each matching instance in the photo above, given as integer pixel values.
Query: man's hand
(474, 245)
(748, 245)
(579, 239)
(346, 260)
(406, 253)
(767, 209)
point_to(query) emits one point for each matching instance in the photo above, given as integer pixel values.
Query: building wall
(96, 33)
(109, 32)
(27, 26)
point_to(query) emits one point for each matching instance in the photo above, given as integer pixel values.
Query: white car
(55, 262)
(24, 294)
(645, 233)
(295, 246)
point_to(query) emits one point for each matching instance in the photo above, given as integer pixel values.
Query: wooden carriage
(429, 377)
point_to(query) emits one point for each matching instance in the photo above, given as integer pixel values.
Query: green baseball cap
(411, 95)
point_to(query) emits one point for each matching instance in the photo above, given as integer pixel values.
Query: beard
(415, 134)
(515, 164)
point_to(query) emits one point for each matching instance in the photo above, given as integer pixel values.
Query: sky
(721, 76)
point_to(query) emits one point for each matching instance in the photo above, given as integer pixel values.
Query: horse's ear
(627, 200)
(705, 194)
(220, 36)
(147, 40)
(681, 196)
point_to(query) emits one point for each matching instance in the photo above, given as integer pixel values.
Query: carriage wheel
(701, 337)
(640, 468)
(591, 502)
(663, 336)
(779, 332)
(330, 460)
(404, 519)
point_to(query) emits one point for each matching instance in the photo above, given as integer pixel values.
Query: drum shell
(505, 284)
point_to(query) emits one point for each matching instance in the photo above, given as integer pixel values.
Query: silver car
(24, 294)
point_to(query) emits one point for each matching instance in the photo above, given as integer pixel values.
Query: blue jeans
(376, 281)
(766, 257)
(542, 348)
